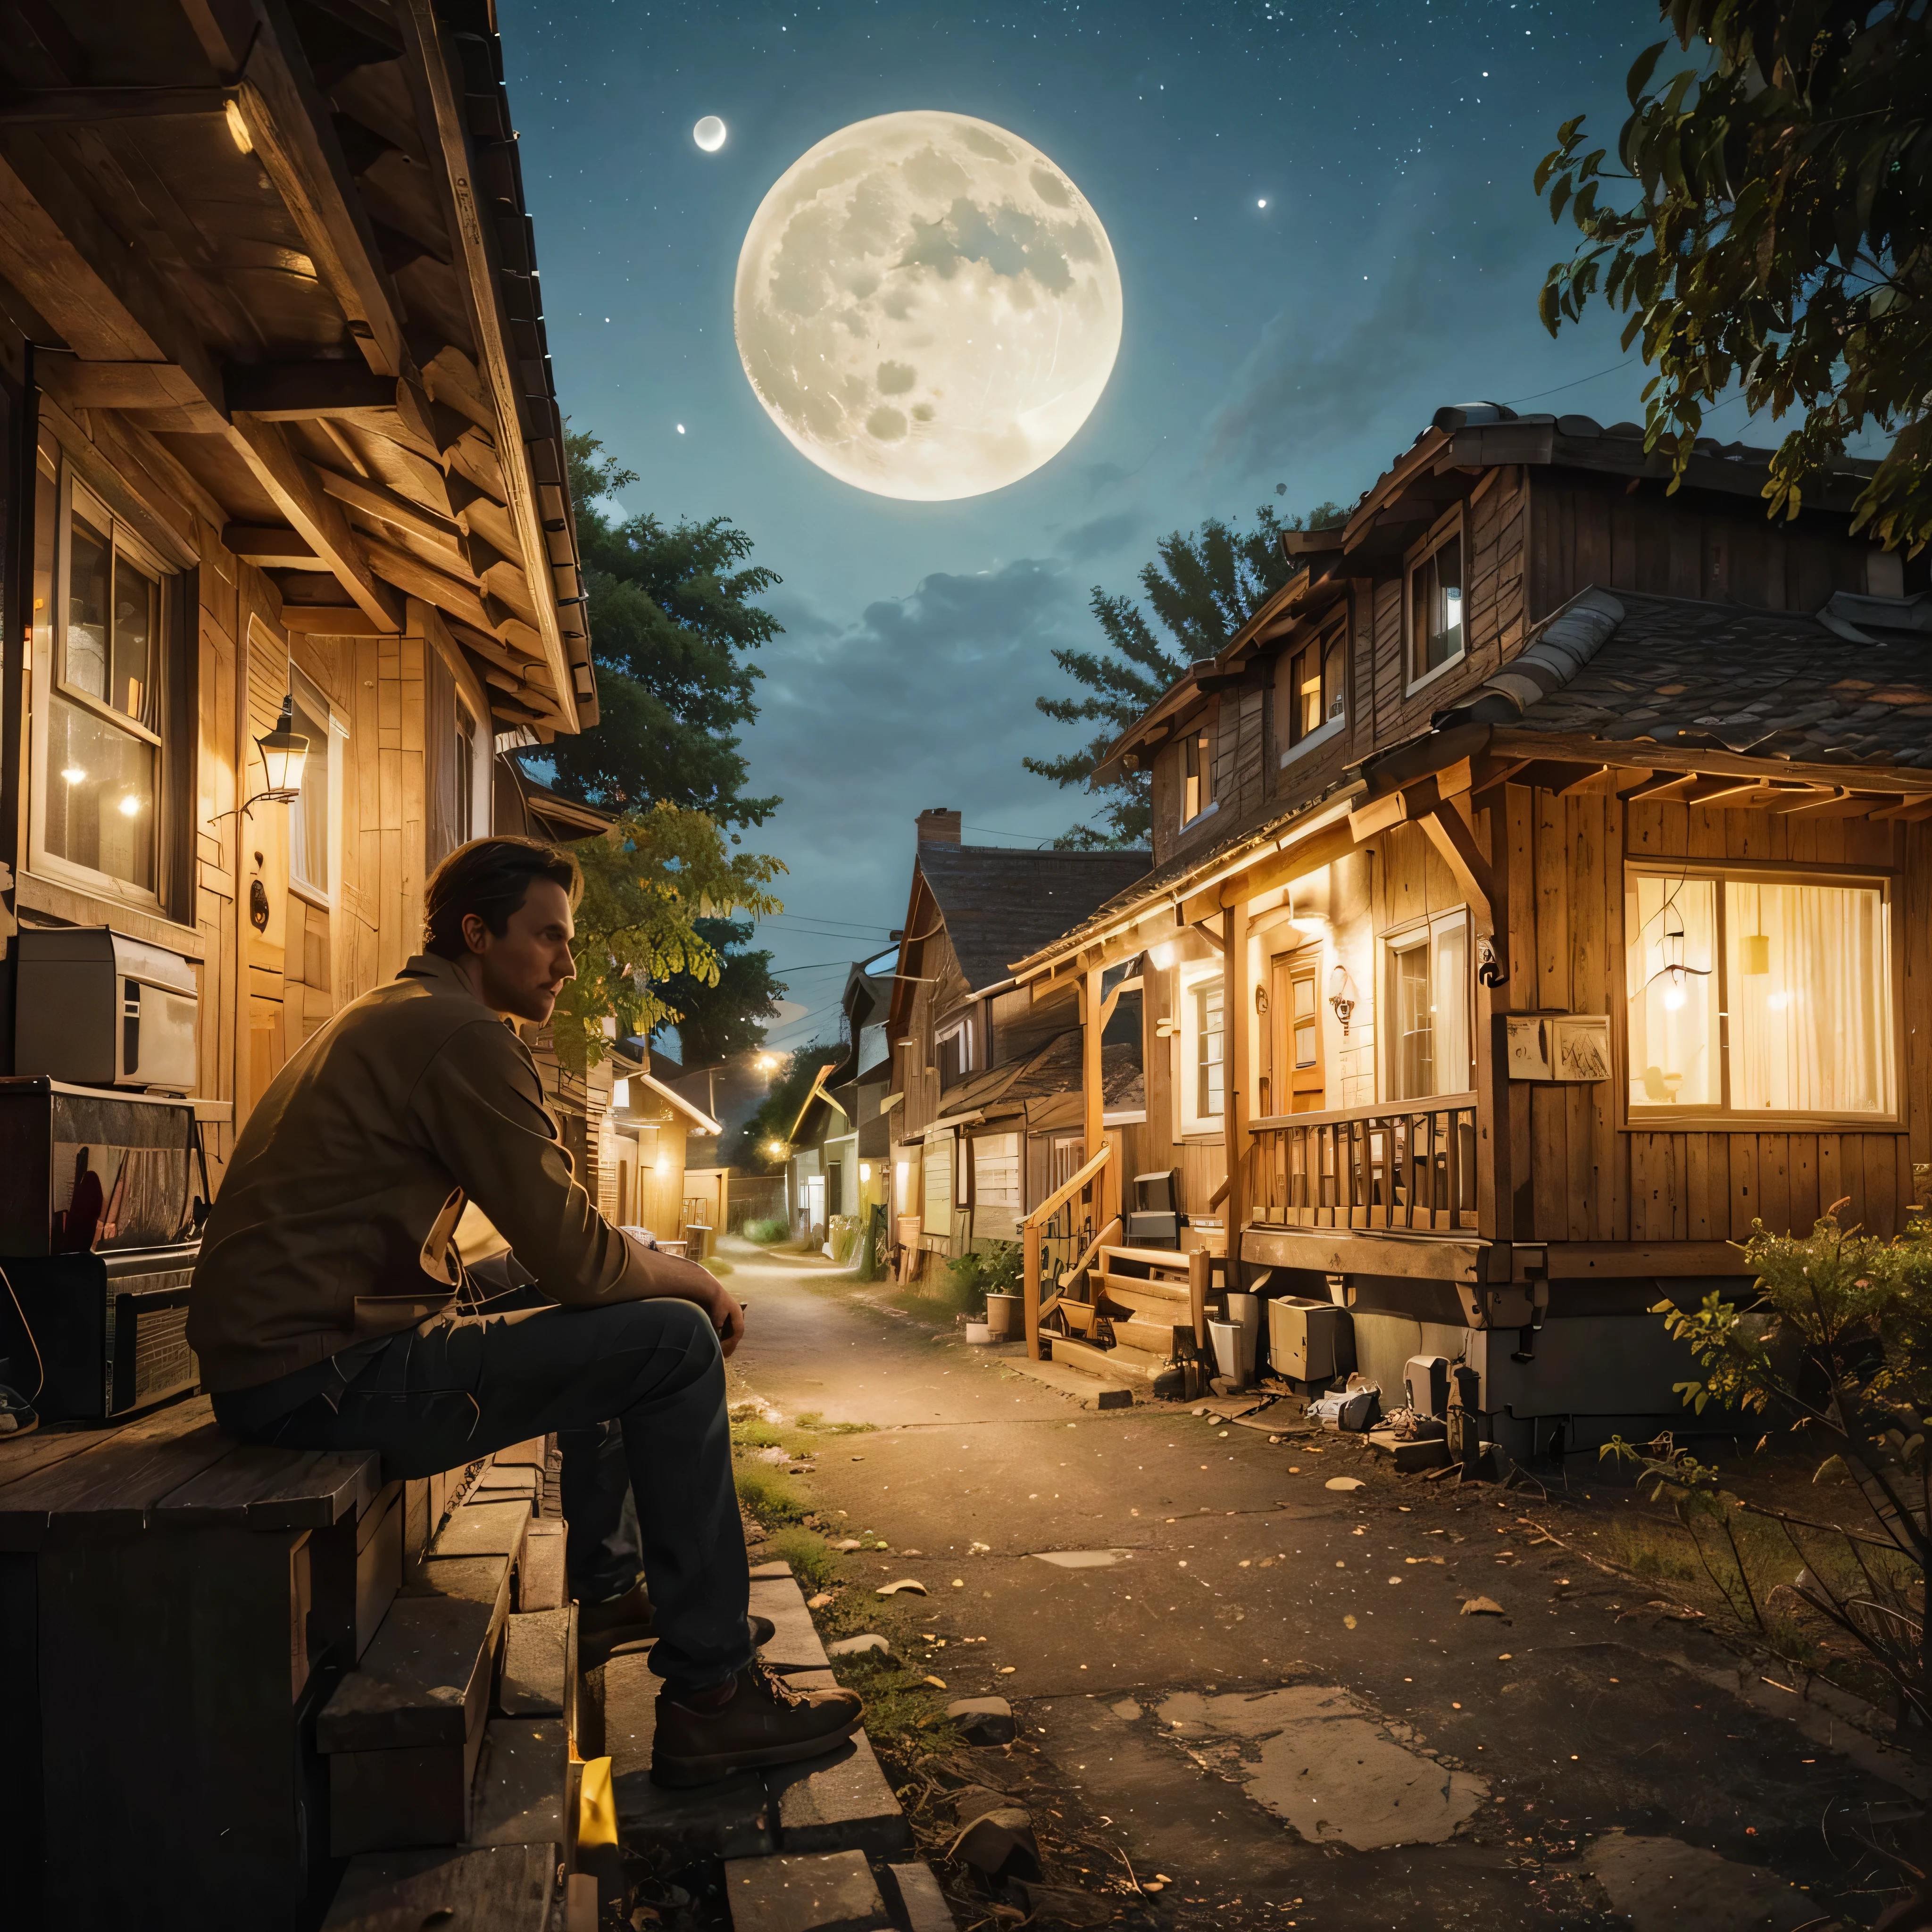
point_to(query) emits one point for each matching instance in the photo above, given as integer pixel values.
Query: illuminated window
(1197, 769)
(1314, 694)
(996, 1186)
(1437, 636)
(101, 693)
(1200, 1075)
(1427, 1029)
(309, 815)
(1753, 994)
(936, 1203)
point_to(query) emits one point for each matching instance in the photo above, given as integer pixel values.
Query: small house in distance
(1534, 879)
(987, 1078)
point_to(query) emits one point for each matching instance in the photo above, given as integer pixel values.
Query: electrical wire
(27, 1329)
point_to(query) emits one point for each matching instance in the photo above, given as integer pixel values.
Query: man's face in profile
(522, 970)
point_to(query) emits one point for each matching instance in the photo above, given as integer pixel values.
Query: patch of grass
(767, 1234)
(817, 1424)
(813, 1560)
(1647, 1548)
(712, 1265)
(766, 1494)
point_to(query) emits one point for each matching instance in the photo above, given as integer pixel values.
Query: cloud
(1101, 536)
(921, 699)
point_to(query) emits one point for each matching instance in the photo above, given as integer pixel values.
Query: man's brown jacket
(336, 1216)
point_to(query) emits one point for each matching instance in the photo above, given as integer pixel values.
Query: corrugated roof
(1001, 905)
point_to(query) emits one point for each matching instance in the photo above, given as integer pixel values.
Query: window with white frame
(956, 1052)
(100, 691)
(1751, 992)
(996, 1186)
(1201, 1077)
(310, 816)
(1425, 1025)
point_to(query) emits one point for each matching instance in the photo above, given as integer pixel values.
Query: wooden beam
(410, 573)
(423, 31)
(297, 391)
(1710, 790)
(1092, 1101)
(331, 620)
(81, 106)
(374, 500)
(290, 123)
(271, 549)
(1657, 783)
(79, 384)
(1908, 810)
(1449, 833)
(265, 448)
(1270, 867)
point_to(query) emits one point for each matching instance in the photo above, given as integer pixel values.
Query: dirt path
(1267, 1688)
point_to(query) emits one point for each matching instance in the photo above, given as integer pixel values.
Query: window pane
(1670, 979)
(1331, 678)
(1415, 1058)
(308, 816)
(130, 684)
(90, 565)
(100, 795)
(1450, 1015)
(1209, 1071)
(1438, 615)
(1809, 993)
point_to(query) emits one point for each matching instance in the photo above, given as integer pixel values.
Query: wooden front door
(1300, 1084)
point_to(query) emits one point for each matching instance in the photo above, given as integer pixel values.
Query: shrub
(767, 1234)
(766, 1494)
(812, 1559)
(1837, 1346)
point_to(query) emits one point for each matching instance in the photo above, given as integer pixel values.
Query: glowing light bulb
(130, 806)
(1673, 999)
(73, 774)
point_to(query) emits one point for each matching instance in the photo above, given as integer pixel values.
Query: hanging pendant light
(1754, 949)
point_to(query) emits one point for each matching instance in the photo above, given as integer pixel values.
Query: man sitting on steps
(327, 1307)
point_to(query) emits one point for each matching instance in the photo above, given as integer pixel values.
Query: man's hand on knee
(656, 1274)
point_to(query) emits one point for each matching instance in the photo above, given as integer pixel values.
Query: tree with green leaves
(673, 624)
(1773, 228)
(1201, 588)
(650, 886)
(722, 1015)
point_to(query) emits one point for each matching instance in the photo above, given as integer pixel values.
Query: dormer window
(1197, 770)
(1438, 636)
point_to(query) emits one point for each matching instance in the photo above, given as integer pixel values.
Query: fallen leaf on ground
(819, 1602)
(1343, 1482)
(911, 1583)
(1481, 1607)
(938, 1683)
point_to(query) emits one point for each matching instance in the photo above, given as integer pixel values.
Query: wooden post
(1093, 1025)
(1199, 1263)
(1030, 1236)
(1495, 1190)
(1238, 1074)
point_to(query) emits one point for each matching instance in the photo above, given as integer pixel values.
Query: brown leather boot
(757, 1719)
(622, 1623)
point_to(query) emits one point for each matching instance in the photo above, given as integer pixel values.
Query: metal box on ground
(1309, 1341)
(1426, 1384)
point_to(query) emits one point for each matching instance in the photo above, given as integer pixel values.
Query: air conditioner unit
(97, 1008)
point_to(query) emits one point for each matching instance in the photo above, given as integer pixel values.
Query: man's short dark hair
(490, 877)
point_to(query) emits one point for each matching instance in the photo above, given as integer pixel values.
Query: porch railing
(1396, 1165)
(1053, 1238)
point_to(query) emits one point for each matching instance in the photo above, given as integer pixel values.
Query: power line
(1577, 384)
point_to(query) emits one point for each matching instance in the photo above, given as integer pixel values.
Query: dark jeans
(460, 1388)
(603, 1548)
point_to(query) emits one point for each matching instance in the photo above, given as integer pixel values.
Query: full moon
(927, 306)
(709, 134)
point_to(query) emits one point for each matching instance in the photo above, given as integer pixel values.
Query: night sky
(1394, 268)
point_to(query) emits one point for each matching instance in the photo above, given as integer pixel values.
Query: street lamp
(774, 1150)
(284, 752)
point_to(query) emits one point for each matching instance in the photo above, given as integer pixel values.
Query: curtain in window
(440, 777)
(1670, 944)
(308, 818)
(1809, 998)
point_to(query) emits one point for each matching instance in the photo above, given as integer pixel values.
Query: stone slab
(1089, 1390)
(837, 1803)
(771, 1573)
(914, 1897)
(795, 1644)
(788, 1894)
(424, 1679)
(731, 1819)
(504, 1888)
(522, 1780)
(1661, 1884)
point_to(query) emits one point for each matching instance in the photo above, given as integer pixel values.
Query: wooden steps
(1122, 1365)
